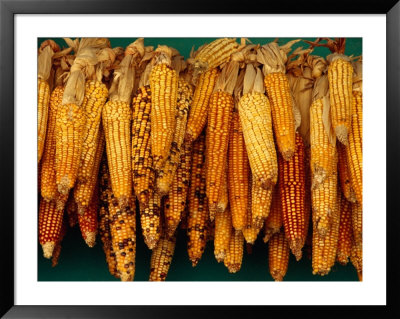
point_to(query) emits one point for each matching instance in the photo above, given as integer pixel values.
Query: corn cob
(308, 205)
(356, 218)
(161, 257)
(199, 109)
(238, 174)
(345, 232)
(251, 230)
(354, 149)
(88, 220)
(260, 204)
(142, 160)
(105, 193)
(223, 229)
(214, 54)
(164, 90)
(344, 174)
(356, 258)
(175, 201)
(46, 51)
(278, 256)
(274, 221)
(255, 117)
(276, 84)
(197, 219)
(234, 255)
(57, 249)
(123, 234)
(150, 220)
(48, 187)
(70, 122)
(292, 190)
(84, 190)
(116, 118)
(71, 210)
(324, 248)
(50, 221)
(222, 201)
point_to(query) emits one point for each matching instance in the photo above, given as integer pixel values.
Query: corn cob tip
(287, 155)
(195, 261)
(171, 231)
(268, 233)
(277, 275)
(126, 277)
(258, 222)
(296, 246)
(233, 268)
(319, 176)
(90, 238)
(81, 209)
(123, 202)
(341, 132)
(220, 256)
(48, 249)
(342, 258)
(151, 241)
(63, 186)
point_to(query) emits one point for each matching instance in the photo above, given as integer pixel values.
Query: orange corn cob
(57, 248)
(84, 189)
(142, 159)
(345, 232)
(274, 221)
(71, 209)
(292, 190)
(116, 123)
(123, 236)
(48, 186)
(198, 216)
(344, 175)
(50, 221)
(278, 256)
(167, 173)
(238, 174)
(150, 220)
(217, 138)
(356, 258)
(354, 149)
(43, 105)
(234, 255)
(340, 75)
(250, 231)
(175, 201)
(260, 204)
(356, 218)
(198, 112)
(222, 201)
(223, 229)
(88, 220)
(161, 258)
(164, 90)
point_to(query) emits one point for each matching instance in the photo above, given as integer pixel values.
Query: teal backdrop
(78, 262)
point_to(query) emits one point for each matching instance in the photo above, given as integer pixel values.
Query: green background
(78, 262)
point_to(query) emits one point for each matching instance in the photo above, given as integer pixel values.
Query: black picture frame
(8, 10)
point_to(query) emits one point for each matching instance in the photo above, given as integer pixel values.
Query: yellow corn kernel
(164, 93)
(161, 257)
(222, 201)
(255, 117)
(116, 124)
(70, 125)
(278, 91)
(234, 255)
(217, 138)
(345, 232)
(340, 76)
(143, 174)
(251, 230)
(43, 110)
(344, 174)
(274, 221)
(167, 172)
(260, 204)
(356, 218)
(222, 233)
(354, 149)
(198, 112)
(356, 258)
(278, 256)
(238, 174)
(292, 190)
(48, 185)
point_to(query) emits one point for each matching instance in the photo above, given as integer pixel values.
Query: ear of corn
(217, 138)
(164, 91)
(150, 220)
(222, 201)
(292, 190)
(142, 159)
(167, 173)
(260, 204)
(88, 221)
(356, 218)
(198, 216)
(340, 75)
(238, 174)
(175, 201)
(223, 229)
(123, 234)
(356, 258)
(50, 221)
(345, 232)
(344, 174)
(71, 209)
(278, 256)
(199, 109)
(48, 185)
(250, 231)
(57, 248)
(274, 221)
(116, 123)
(161, 257)
(43, 105)
(234, 255)
(354, 149)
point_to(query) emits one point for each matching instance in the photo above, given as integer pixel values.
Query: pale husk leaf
(123, 81)
(145, 77)
(249, 78)
(44, 63)
(273, 58)
(336, 56)
(259, 82)
(163, 54)
(238, 91)
(227, 79)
